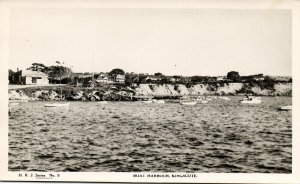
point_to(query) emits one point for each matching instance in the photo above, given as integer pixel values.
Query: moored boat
(18, 101)
(188, 103)
(199, 98)
(13, 104)
(251, 100)
(224, 98)
(58, 105)
(147, 101)
(208, 98)
(102, 102)
(286, 108)
(158, 101)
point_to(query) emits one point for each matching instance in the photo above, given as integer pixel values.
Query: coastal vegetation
(120, 85)
(126, 93)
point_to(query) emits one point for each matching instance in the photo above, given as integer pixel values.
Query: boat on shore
(102, 102)
(286, 108)
(58, 105)
(251, 100)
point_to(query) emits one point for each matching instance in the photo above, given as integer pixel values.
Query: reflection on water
(221, 136)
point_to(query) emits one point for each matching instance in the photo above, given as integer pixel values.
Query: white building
(31, 77)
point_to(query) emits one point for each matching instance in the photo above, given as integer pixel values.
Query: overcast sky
(171, 41)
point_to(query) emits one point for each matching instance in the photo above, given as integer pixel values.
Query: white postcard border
(5, 7)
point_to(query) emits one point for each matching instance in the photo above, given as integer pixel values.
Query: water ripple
(221, 136)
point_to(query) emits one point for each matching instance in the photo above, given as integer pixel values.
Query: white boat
(147, 101)
(102, 102)
(204, 101)
(224, 98)
(251, 100)
(208, 99)
(188, 103)
(18, 101)
(286, 108)
(158, 101)
(58, 105)
(199, 99)
(13, 104)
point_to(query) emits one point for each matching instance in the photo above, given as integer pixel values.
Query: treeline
(231, 77)
(60, 73)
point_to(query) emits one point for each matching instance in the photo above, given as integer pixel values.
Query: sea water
(220, 136)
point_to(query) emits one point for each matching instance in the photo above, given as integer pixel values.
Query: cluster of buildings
(89, 80)
(29, 77)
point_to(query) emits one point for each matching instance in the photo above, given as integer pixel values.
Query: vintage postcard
(150, 91)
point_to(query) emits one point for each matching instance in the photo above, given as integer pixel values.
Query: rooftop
(31, 73)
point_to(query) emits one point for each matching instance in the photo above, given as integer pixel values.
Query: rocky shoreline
(125, 93)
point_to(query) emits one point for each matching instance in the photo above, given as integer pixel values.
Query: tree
(233, 75)
(10, 72)
(177, 77)
(158, 74)
(212, 79)
(166, 80)
(196, 79)
(59, 63)
(142, 79)
(37, 67)
(129, 78)
(199, 79)
(116, 71)
(59, 72)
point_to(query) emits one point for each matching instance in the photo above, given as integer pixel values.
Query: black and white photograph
(151, 92)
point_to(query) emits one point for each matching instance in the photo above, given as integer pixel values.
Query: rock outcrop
(126, 93)
(281, 89)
